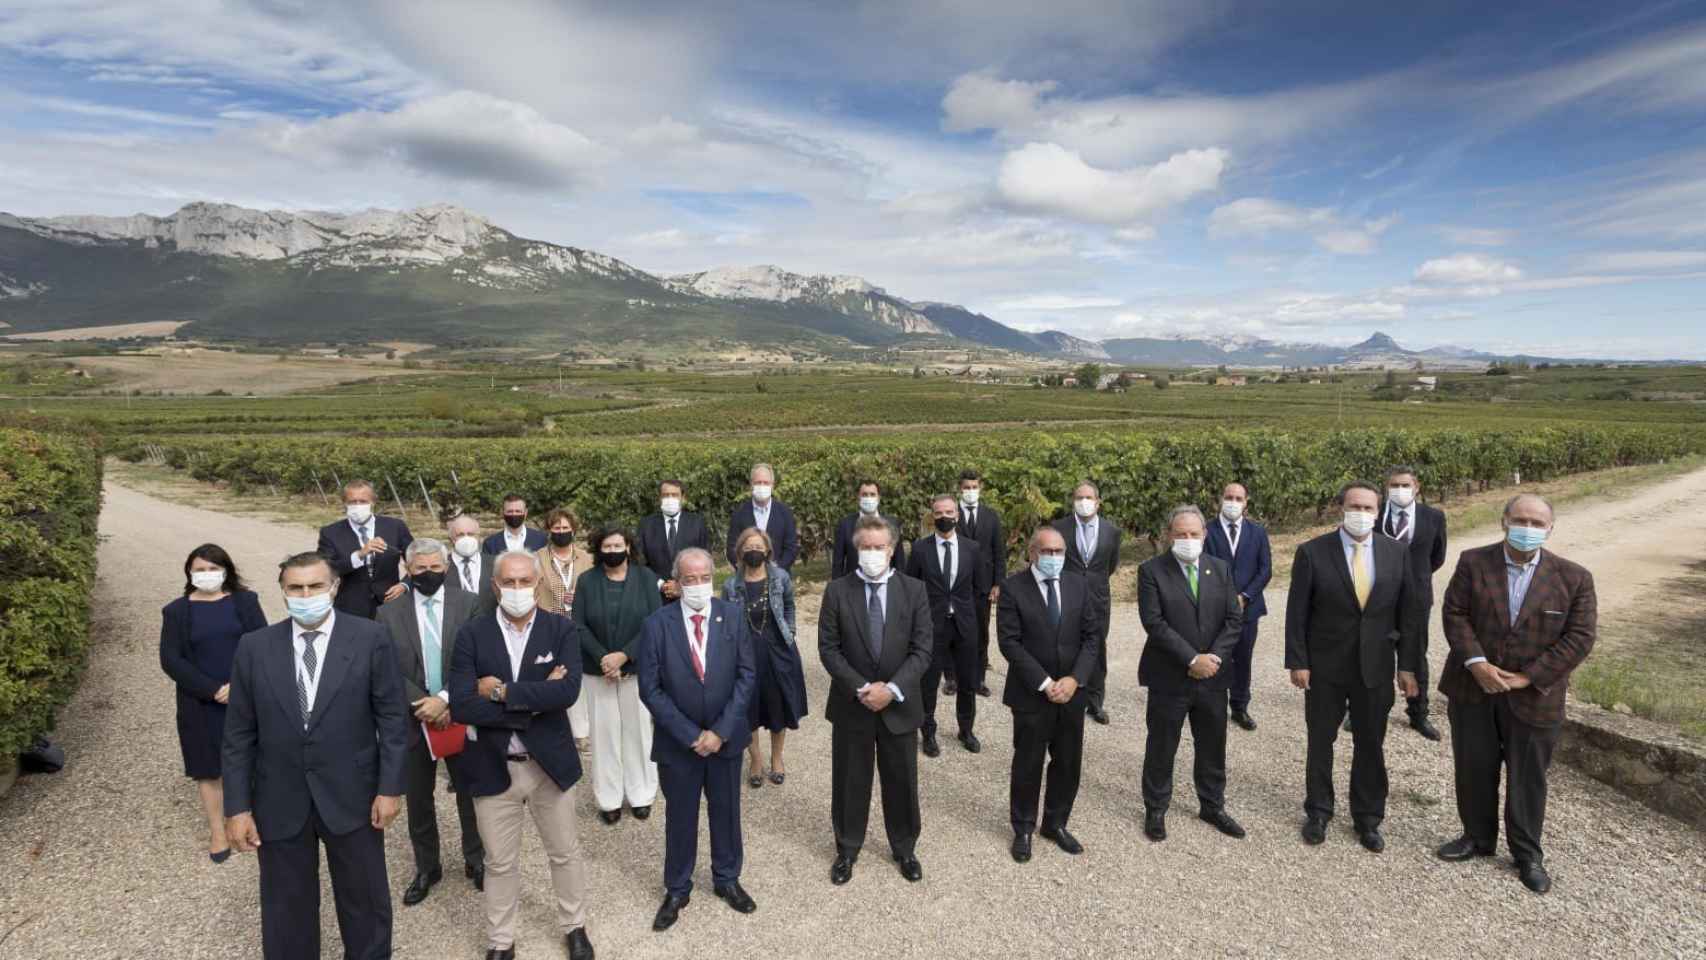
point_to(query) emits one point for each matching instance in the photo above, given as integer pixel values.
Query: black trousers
(1167, 713)
(984, 615)
(1055, 732)
(290, 892)
(1416, 707)
(717, 779)
(858, 752)
(955, 648)
(1324, 707)
(419, 788)
(1243, 661)
(1096, 690)
(1485, 736)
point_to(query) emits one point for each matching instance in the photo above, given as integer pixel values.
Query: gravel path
(105, 860)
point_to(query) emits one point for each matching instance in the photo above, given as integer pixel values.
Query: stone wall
(1647, 761)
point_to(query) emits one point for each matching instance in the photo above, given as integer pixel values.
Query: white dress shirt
(761, 514)
(1367, 555)
(516, 540)
(321, 643)
(1409, 512)
(437, 618)
(515, 640)
(953, 564)
(356, 559)
(882, 585)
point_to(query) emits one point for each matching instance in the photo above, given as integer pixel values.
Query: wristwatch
(497, 695)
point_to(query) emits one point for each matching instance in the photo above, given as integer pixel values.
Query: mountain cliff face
(852, 296)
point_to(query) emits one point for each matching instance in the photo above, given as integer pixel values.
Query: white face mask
(868, 504)
(1358, 524)
(761, 492)
(208, 581)
(670, 506)
(1402, 497)
(359, 512)
(1085, 506)
(466, 546)
(1231, 509)
(696, 595)
(874, 563)
(518, 602)
(969, 497)
(1187, 550)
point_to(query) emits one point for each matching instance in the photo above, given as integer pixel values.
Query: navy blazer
(844, 556)
(1252, 568)
(534, 708)
(784, 534)
(690, 531)
(177, 657)
(533, 537)
(681, 704)
(971, 581)
(362, 589)
(353, 750)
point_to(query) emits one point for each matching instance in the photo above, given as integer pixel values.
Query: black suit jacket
(353, 749)
(844, 556)
(971, 573)
(533, 541)
(1427, 548)
(1178, 627)
(399, 620)
(1326, 633)
(680, 703)
(844, 648)
(784, 534)
(690, 531)
(362, 589)
(1037, 650)
(987, 532)
(535, 708)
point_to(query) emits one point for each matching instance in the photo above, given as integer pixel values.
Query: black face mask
(612, 559)
(514, 522)
(754, 558)
(562, 538)
(428, 581)
(944, 524)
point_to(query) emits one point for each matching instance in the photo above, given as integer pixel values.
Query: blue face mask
(308, 611)
(1525, 539)
(1051, 565)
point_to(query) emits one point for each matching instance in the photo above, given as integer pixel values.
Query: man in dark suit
(1093, 552)
(1188, 604)
(516, 534)
(1243, 544)
(696, 672)
(316, 742)
(1046, 628)
(365, 551)
(981, 522)
(954, 572)
(1351, 618)
(844, 556)
(766, 513)
(668, 532)
(874, 639)
(1422, 528)
(423, 623)
(513, 677)
(1520, 620)
(470, 567)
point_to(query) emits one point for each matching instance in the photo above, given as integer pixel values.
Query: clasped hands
(875, 696)
(1203, 666)
(1494, 680)
(706, 743)
(1062, 690)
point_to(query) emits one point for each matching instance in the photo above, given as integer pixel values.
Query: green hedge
(1291, 475)
(50, 501)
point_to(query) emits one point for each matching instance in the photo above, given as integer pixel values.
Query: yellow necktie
(1359, 575)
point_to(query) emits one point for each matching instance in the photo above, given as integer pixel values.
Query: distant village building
(1231, 380)
(1427, 383)
(1069, 382)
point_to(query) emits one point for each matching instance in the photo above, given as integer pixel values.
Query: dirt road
(105, 860)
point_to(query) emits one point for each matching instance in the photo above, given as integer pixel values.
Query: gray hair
(767, 468)
(451, 526)
(865, 524)
(1511, 503)
(691, 553)
(421, 545)
(1185, 510)
(1087, 482)
(938, 498)
(360, 484)
(508, 555)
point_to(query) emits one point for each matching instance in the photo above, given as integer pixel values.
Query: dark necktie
(874, 615)
(1232, 537)
(361, 533)
(1400, 520)
(1053, 602)
(309, 661)
(671, 536)
(468, 574)
(947, 565)
(971, 518)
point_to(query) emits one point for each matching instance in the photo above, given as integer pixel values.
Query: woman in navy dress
(765, 594)
(198, 640)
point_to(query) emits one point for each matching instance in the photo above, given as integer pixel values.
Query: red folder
(447, 742)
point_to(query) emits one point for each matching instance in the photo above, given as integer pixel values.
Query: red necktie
(698, 642)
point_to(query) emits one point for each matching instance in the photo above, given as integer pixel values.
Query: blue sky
(1504, 176)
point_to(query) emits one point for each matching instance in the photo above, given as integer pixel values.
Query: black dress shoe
(1314, 830)
(736, 898)
(909, 868)
(1462, 849)
(1022, 848)
(420, 887)
(1099, 715)
(983, 691)
(1155, 825)
(610, 816)
(1371, 839)
(841, 870)
(476, 874)
(1243, 719)
(1222, 821)
(580, 948)
(1422, 726)
(1062, 839)
(669, 911)
(1534, 877)
(930, 747)
(971, 743)
(507, 953)
(641, 813)
(950, 688)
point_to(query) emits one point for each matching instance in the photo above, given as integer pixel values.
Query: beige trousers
(500, 818)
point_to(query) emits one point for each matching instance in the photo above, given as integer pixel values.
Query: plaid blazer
(1553, 633)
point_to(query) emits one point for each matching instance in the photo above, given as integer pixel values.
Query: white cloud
(1057, 301)
(1259, 216)
(1049, 178)
(1639, 261)
(1467, 269)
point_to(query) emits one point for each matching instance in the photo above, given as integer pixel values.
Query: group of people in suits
(399, 652)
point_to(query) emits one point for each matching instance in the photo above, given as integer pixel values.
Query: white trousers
(579, 722)
(622, 767)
